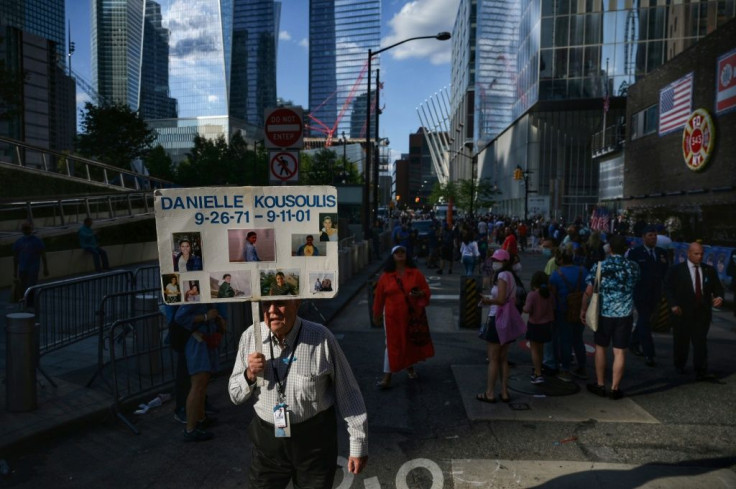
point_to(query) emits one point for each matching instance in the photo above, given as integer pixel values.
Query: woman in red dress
(401, 293)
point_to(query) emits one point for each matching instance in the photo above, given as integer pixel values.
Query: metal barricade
(65, 310)
(115, 307)
(147, 277)
(142, 362)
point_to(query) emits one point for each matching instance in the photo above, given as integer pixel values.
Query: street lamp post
(520, 174)
(369, 211)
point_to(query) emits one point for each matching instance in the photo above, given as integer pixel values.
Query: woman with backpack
(567, 285)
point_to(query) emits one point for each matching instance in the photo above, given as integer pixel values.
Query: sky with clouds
(410, 73)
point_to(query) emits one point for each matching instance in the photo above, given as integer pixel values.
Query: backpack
(574, 297)
(178, 336)
(520, 292)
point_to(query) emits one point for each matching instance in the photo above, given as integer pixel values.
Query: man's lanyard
(274, 365)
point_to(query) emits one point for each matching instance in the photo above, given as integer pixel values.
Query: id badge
(281, 425)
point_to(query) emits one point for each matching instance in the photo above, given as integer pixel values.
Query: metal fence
(141, 359)
(119, 306)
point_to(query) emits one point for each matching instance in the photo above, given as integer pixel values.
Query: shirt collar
(290, 336)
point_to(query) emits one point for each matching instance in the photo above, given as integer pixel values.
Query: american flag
(600, 219)
(675, 104)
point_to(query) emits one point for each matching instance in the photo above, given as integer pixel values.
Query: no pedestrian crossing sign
(283, 166)
(284, 128)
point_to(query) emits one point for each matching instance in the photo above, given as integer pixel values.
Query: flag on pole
(675, 104)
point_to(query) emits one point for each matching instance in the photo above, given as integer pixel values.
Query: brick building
(658, 185)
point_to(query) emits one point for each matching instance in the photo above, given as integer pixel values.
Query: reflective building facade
(542, 72)
(39, 108)
(255, 44)
(117, 43)
(340, 34)
(155, 100)
(203, 67)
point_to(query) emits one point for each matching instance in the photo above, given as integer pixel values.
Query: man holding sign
(294, 432)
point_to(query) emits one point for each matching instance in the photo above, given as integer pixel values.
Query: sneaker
(616, 394)
(598, 390)
(565, 376)
(580, 373)
(197, 435)
(537, 379)
(180, 416)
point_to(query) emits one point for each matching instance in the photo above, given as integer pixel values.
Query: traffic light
(518, 174)
(416, 200)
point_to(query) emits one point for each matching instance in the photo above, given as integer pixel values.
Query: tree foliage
(325, 168)
(217, 162)
(460, 191)
(113, 134)
(159, 163)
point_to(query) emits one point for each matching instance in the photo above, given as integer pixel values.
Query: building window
(644, 122)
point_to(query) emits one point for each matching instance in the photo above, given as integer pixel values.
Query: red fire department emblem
(698, 139)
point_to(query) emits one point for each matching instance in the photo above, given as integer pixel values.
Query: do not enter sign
(284, 128)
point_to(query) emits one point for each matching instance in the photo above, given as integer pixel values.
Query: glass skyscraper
(340, 34)
(155, 100)
(117, 43)
(204, 67)
(255, 44)
(39, 109)
(542, 70)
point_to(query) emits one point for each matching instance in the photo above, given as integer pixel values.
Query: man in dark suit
(653, 264)
(691, 289)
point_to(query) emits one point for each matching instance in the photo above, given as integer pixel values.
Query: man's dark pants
(693, 328)
(642, 335)
(308, 457)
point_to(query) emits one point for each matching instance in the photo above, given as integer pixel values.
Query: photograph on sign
(170, 282)
(191, 291)
(280, 282)
(251, 245)
(305, 245)
(220, 244)
(186, 251)
(328, 229)
(321, 282)
(231, 284)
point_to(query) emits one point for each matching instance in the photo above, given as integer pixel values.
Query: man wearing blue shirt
(28, 253)
(88, 242)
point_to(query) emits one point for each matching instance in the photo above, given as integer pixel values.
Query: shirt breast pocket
(308, 388)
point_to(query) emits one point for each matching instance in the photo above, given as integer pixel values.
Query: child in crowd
(540, 305)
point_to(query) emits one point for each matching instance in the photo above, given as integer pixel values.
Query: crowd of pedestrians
(637, 283)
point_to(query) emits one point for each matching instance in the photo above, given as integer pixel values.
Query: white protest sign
(227, 244)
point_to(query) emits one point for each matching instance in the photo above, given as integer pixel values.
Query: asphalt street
(669, 432)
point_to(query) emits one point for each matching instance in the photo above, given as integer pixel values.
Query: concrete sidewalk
(71, 404)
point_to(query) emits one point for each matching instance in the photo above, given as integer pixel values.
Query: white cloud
(304, 43)
(423, 18)
(284, 36)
